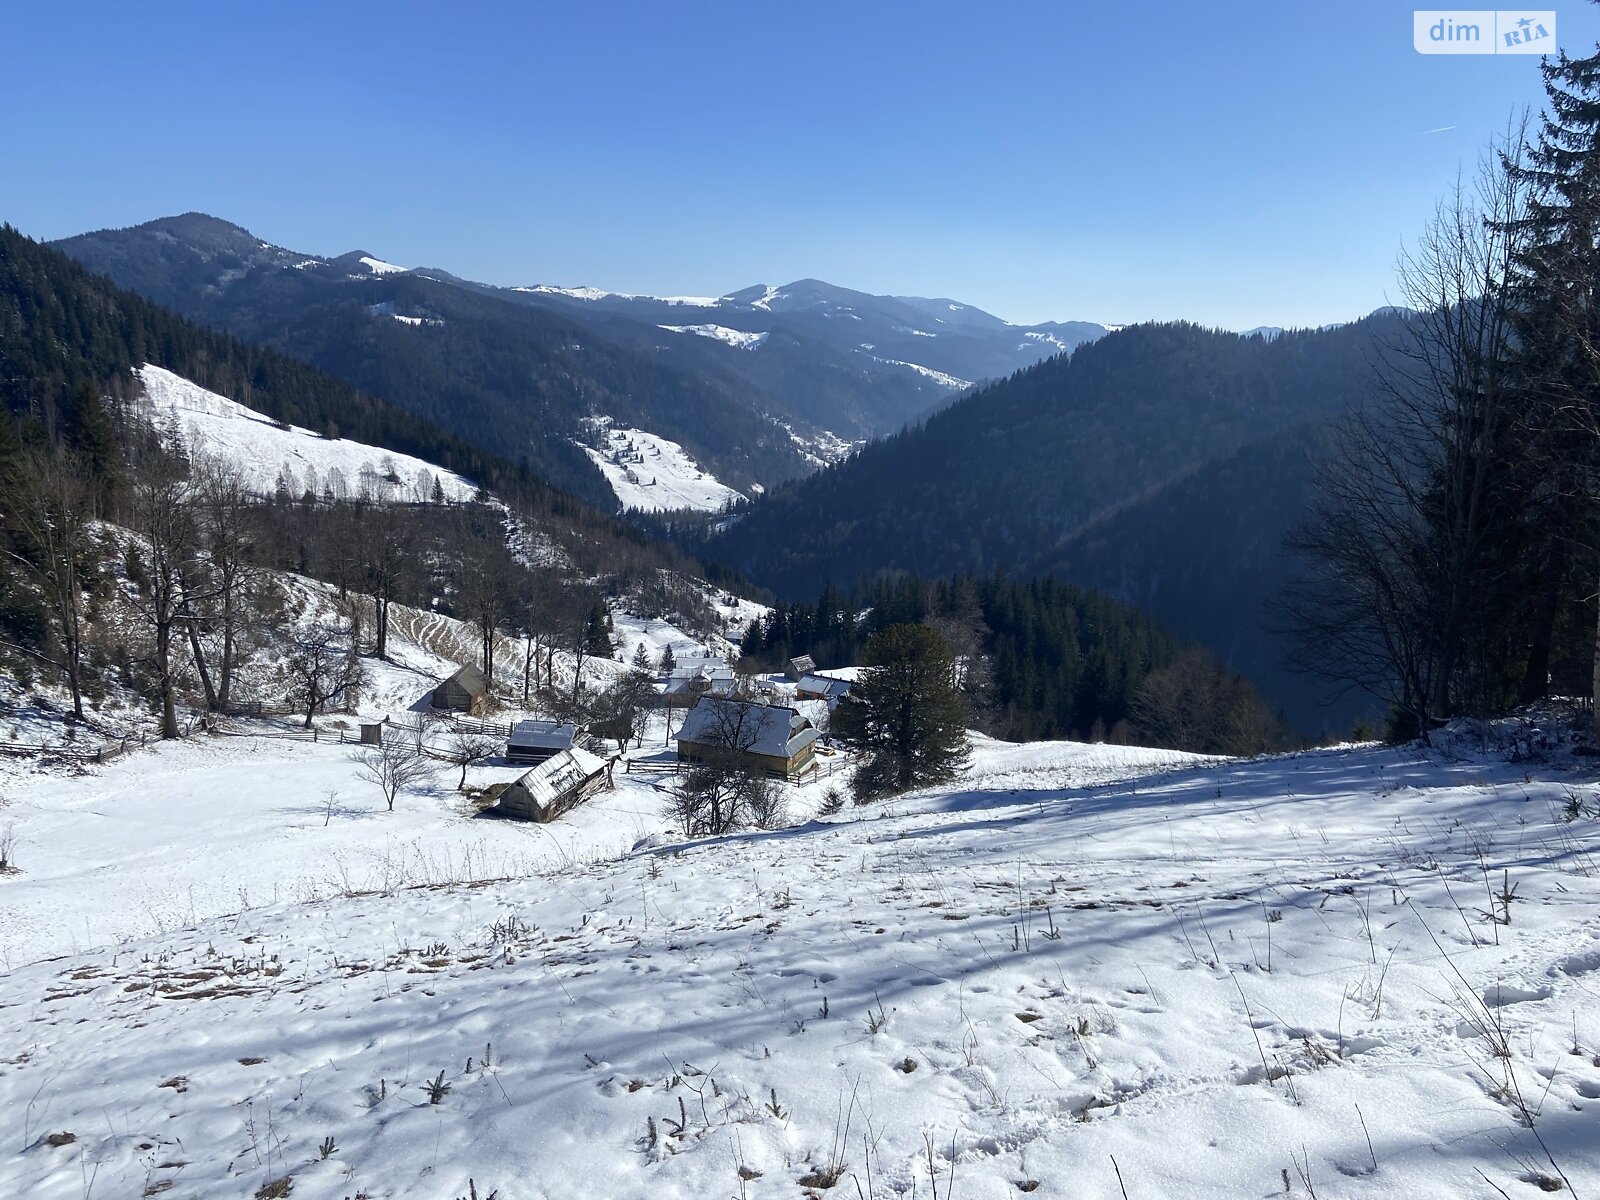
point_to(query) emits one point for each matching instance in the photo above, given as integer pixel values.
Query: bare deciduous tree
(1400, 543)
(393, 766)
(465, 746)
(321, 663)
(726, 790)
(52, 509)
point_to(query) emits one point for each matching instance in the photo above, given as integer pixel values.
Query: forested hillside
(1088, 467)
(1040, 660)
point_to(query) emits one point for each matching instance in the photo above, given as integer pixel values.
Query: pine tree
(668, 662)
(596, 641)
(905, 716)
(1558, 326)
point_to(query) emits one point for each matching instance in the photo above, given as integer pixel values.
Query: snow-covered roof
(546, 735)
(822, 685)
(761, 729)
(559, 774)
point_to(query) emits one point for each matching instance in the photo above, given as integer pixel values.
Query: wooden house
(773, 738)
(821, 687)
(466, 691)
(800, 667)
(535, 741)
(557, 785)
(695, 678)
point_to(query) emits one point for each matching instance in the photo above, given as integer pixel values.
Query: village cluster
(775, 726)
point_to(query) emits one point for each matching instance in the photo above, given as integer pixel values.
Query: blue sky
(1254, 163)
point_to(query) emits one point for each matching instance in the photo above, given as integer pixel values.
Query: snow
(650, 473)
(1099, 968)
(769, 294)
(737, 338)
(264, 451)
(416, 320)
(1049, 339)
(378, 267)
(939, 377)
(590, 293)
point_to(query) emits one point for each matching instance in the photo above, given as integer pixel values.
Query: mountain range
(758, 386)
(1160, 463)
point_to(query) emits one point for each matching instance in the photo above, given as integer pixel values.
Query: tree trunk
(1536, 672)
(225, 683)
(1596, 696)
(200, 665)
(169, 697)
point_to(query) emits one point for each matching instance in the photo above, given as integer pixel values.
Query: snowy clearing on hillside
(939, 377)
(654, 474)
(737, 338)
(590, 293)
(1083, 970)
(266, 452)
(378, 267)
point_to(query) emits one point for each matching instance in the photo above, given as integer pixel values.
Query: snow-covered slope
(651, 473)
(266, 452)
(1083, 971)
(737, 338)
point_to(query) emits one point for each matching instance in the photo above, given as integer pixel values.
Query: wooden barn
(556, 786)
(466, 691)
(775, 739)
(800, 667)
(535, 741)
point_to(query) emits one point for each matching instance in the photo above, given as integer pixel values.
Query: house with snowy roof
(768, 737)
(822, 687)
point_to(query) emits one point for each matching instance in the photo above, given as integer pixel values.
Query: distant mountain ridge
(954, 345)
(760, 385)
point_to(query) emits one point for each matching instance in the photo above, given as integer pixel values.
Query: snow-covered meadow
(265, 452)
(650, 473)
(1082, 971)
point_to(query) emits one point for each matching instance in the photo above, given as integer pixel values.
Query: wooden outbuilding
(800, 667)
(535, 741)
(556, 786)
(466, 691)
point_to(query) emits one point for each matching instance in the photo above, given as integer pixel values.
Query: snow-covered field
(654, 474)
(265, 452)
(1083, 971)
(737, 338)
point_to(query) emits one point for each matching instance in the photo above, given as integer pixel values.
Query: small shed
(820, 687)
(800, 667)
(776, 739)
(557, 785)
(535, 741)
(466, 691)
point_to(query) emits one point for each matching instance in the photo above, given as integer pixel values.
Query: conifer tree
(1558, 327)
(905, 716)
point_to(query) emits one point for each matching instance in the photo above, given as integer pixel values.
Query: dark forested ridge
(1041, 659)
(1162, 463)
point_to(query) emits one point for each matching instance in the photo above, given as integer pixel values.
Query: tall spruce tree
(1558, 305)
(905, 716)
